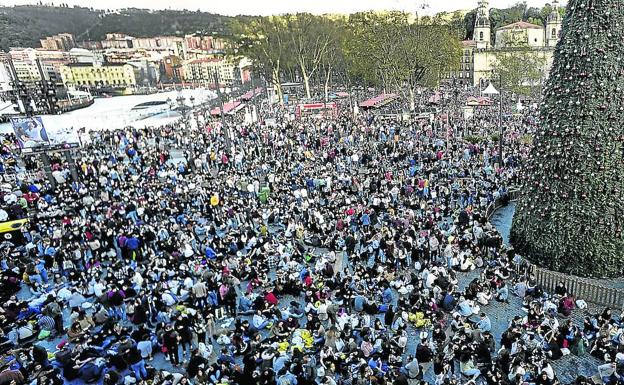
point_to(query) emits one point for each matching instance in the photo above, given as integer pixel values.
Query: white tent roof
(490, 90)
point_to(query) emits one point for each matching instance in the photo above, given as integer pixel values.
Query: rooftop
(205, 60)
(521, 25)
(91, 65)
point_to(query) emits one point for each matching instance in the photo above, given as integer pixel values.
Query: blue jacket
(386, 296)
(210, 253)
(287, 379)
(132, 243)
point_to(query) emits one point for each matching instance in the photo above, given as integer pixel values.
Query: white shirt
(137, 279)
(430, 280)
(98, 289)
(258, 320)
(322, 311)
(550, 373)
(64, 294)
(168, 299)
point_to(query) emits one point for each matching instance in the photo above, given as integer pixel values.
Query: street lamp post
(356, 107)
(490, 90)
(192, 112)
(220, 96)
(456, 101)
(500, 118)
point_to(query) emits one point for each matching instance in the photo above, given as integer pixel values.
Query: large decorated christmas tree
(570, 216)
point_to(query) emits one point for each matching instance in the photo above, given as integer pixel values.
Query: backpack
(310, 372)
(117, 298)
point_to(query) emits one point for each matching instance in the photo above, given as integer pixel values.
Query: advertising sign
(33, 136)
(30, 132)
(63, 138)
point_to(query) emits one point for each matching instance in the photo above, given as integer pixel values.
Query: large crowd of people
(344, 250)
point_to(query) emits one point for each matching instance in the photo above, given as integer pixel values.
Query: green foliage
(521, 69)
(23, 26)
(534, 16)
(526, 139)
(142, 23)
(473, 139)
(384, 49)
(502, 17)
(454, 20)
(389, 50)
(309, 38)
(570, 216)
(265, 41)
(469, 23)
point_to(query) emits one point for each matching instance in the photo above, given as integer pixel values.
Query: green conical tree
(570, 216)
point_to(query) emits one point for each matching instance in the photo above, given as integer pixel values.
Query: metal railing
(512, 195)
(584, 288)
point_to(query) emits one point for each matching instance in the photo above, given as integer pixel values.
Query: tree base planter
(599, 292)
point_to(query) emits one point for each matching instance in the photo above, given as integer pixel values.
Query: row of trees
(392, 50)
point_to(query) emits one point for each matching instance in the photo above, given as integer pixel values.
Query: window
(481, 36)
(553, 33)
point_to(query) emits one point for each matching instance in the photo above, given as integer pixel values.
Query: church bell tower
(553, 25)
(482, 26)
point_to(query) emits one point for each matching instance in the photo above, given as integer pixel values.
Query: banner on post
(34, 137)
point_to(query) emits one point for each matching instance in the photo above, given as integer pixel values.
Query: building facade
(146, 72)
(26, 63)
(85, 56)
(117, 40)
(89, 75)
(172, 69)
(210, 70)
(479, 55)
(204, 43)
(166, 44)
(60, 42)
(230, 72)
(5, 77)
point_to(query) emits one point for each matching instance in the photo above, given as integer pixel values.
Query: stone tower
(482, 33)
(553, 25)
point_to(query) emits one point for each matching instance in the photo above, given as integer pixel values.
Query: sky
(267, 7)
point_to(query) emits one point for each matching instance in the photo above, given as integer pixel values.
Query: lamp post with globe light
(491, 90)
